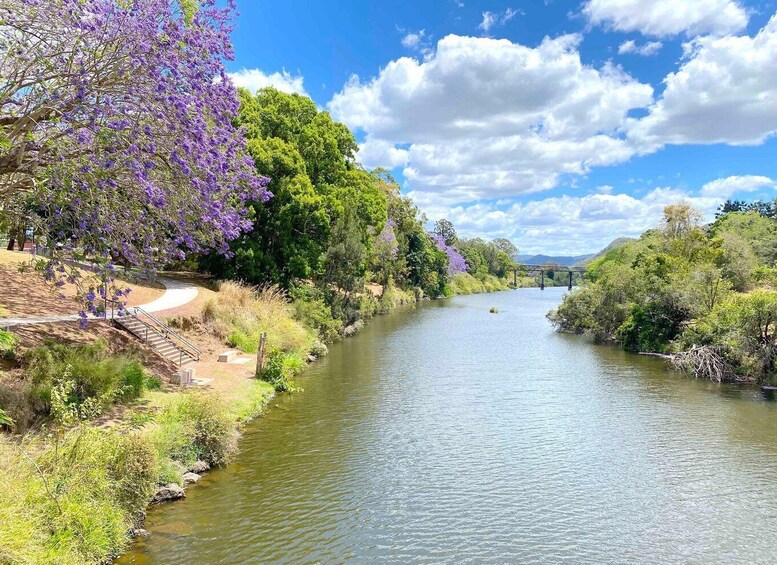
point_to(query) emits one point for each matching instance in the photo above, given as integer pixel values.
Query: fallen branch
(704, 362)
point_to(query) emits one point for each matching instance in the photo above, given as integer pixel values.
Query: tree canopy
(706, 293)
(116, 129)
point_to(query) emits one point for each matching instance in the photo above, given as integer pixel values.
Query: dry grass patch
(239, 314)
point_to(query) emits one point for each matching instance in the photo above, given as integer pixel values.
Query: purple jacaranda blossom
(121, 123)
(456, 262)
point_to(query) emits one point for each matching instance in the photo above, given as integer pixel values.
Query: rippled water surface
(449, 434)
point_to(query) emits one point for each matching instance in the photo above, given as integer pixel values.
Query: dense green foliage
(688, 288)
(333, 226)
(8, 341)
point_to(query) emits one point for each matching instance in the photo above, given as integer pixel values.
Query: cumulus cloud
(571, 225)
(482, 117)
(255, 79)
(724, 92)
(493, 19)
(378, 153)
(666, 18)
(726, 187)
(646, 50)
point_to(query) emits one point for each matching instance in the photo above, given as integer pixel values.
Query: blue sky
(560, 125)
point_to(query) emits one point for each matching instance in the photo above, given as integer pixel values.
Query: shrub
(279, 370)
(311, 310)
(153, 382)
(652, 326)
(196, 426)
(394, 296)
(8, 343)
(96, 376)
(367, 306)
(744, 331)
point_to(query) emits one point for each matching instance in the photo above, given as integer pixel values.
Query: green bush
(8, 343)
(313, 312)
(650, 327)
(196, 426)
(96, 376)
(393, 296)
(743, 329)
(280, 368)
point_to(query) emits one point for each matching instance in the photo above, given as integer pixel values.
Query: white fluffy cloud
(569, 225)
(727, 187)
(646, 50)
(664, 18)
(483, 117)
(254, 79)
(413, 40)
(378, 153)
(725, 91)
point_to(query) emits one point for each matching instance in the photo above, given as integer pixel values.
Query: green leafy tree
(507, 247)
(345, 259)
(309, 159)
(445, 228)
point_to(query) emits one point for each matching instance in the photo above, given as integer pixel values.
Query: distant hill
(620, 242)
(565, 261)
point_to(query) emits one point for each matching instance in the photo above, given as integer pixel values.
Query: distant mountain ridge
(563, 260)
(620, 242)
(571, 261)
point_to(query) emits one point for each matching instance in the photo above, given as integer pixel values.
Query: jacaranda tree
(116, 127)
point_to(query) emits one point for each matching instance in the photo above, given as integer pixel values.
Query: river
(445, 433)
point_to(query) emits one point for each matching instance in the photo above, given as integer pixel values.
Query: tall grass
(394, 296)
(240, 313)
(73, 500)
(71, 497)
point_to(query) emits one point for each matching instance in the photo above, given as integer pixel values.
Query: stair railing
(165, 331)
(156, 326)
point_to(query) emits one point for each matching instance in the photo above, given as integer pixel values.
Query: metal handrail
(194, 351)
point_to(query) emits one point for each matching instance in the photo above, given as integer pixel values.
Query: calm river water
(448, 434)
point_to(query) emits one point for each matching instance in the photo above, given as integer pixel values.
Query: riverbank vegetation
(75, 484)
(261, 191)
(706, 294)
(333, 229)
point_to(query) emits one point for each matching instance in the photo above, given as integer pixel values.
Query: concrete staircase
(166, 342)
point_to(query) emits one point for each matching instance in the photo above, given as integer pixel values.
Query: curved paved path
(177, 293)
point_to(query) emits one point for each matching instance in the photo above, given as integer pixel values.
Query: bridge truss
(542, 269)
